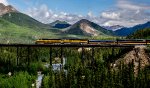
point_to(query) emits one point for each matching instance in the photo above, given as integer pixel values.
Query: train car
(75, 41)
(109, 42)
(147, 41)
(48, 41)
(131, 41)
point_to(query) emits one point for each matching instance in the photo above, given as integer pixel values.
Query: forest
(90, 70)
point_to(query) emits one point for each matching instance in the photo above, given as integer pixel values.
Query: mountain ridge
(113, 28)
(127, 31)
(24, 20)
(59, 24)
(88, 28)
(6, 9)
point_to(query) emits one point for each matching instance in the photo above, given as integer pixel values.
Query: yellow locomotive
(61, 41)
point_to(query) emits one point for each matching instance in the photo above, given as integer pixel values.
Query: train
(102, 42)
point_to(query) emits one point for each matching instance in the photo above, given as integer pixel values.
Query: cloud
(42, 13)
(110, 15)
(127, 23)
(5, 2)
(90, 14)
(125, 13)
(126, 4)
(46, 15)
(126, 18)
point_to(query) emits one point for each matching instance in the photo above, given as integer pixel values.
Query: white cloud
(127, 23)
(126, 13)
(5, 2)
(42, 13)
(126, 18)
(126, 4)
(90, 14)
(46, 15)
(110, 15)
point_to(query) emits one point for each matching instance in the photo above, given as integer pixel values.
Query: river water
(55, 67)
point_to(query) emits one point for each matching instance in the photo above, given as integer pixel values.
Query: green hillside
(140, 34)
(12, 33)
(24, 20)
(17, 27)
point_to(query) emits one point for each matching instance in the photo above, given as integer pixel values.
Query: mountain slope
(128, 31)
(23, 20)
(113, 28)
(59, 24)
(12, 33)
(85, 27)
(138, 56)
(6, 9)
(140, 34)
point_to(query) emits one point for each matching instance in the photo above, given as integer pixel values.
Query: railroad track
(73, 45)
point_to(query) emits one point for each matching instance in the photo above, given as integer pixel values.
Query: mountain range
(15, 26)
(128, 31)
(87, 28)
(59, 24)
(140, 34)
(113, 28)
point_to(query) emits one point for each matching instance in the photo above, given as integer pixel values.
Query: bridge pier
(61, 55)
(113, 52)
(93, 54)
(50, 55)
(17, 57)
(82, 55)
(20, 55)
(28, 55)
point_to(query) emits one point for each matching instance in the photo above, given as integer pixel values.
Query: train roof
(131, 39)
(101, 40)
(62, 39)
(49, 39)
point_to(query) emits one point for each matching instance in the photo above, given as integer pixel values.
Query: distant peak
(148, 22)
(59, 21)
(1, 4)
(10, 6)
(6, 9)
(114, 27)
(84, 20)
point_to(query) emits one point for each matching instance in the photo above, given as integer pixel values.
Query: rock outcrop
(6, 9)
(137, 56)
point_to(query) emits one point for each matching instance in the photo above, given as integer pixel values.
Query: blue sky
(70, 6)
(104, 12)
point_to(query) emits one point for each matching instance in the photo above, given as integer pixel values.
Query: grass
(11, 33)
(17, 80)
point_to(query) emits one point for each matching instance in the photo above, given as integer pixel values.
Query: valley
(63, 64)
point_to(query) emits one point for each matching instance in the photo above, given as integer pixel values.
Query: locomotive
(61, 41)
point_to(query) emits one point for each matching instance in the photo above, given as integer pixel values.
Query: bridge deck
(63, 45)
